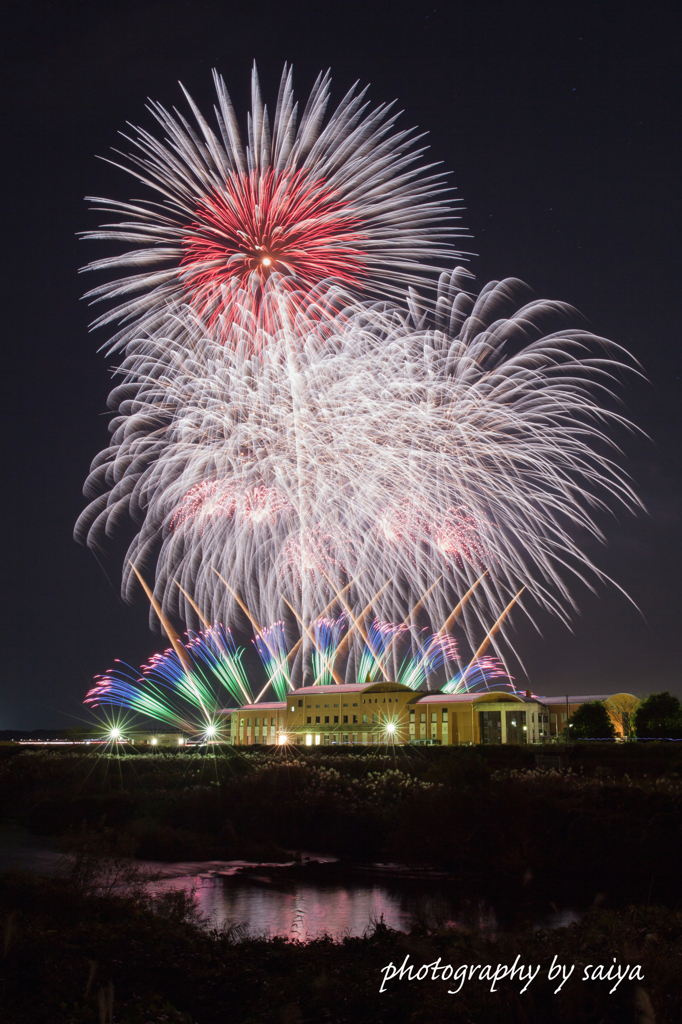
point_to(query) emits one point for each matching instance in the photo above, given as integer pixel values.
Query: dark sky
(559, 123)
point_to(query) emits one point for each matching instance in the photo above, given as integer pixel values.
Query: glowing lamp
(282, 739)
(115, 734)
(154, 741)
(390, 727)
(211, 730)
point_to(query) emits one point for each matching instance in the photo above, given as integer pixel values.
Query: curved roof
(385, 686)
(494, 696)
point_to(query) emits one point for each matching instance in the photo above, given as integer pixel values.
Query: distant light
(308, 740)
(211, 730)
(180, 741)
(154, 741)
(282, 739)
(115, 734)
(390, 727)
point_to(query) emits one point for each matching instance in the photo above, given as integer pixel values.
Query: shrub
(591, 722)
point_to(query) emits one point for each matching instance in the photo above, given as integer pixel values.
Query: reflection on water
(303, 902)
(263, 905)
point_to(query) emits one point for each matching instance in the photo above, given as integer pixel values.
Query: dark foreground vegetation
(71, 956)
(603, 830)
(610, 822)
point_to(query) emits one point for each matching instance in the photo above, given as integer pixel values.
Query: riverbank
(608, 824)
(71, 957)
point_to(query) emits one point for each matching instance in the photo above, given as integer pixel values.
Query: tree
(622, 708)
(659, 716)
(591, 722)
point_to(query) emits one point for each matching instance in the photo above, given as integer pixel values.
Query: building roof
(276, 705)
(384, 686)
(575, 700)
(473, 698)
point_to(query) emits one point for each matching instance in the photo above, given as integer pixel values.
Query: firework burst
(302, 204)
(486, 454)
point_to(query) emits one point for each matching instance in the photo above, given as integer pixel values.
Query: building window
(300, 704)
(345, 717)
(317, 720)
(422, 716)
(336, 719)
(355, 719)
(355, 705)
(364, 718)
(326, 719)
(308, 720)
(375, 718)
(248, 722)
(345, 705)
(445, 714)
(433, 716)
(258, 721)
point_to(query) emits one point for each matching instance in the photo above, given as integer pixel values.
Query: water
(268, 903)
(309, 900)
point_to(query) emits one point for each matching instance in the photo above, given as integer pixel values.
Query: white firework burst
(233, 230)
(370, 449)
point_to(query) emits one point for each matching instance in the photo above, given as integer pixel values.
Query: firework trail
(272, 650)
(292, 423)
(233, 228)
(327, 635)
(381, 639)
(430, 653)
(476, 676)
(186, 694)
(369, 447)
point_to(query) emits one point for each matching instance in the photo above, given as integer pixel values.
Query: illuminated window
(433, 716)
(375, 718)
(364, 718)
(422, 716)
(445, 712)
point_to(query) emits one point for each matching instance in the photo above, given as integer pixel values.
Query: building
(388, 712)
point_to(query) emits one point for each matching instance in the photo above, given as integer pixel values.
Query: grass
(74, 957)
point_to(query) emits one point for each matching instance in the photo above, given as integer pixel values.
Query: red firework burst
(211, 500)
(262, 224)
(456, 534)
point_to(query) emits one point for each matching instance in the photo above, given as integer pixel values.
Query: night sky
(559, 123)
